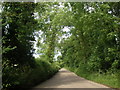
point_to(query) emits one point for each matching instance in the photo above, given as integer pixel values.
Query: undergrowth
(28, 77)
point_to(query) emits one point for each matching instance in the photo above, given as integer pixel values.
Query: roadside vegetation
(84, 37)
(109, 78)
(19, 68)
(92, 50)
(26, 77)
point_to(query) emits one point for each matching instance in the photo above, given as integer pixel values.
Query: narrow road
(67, 79)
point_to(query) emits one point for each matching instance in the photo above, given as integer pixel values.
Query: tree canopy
(86, 36)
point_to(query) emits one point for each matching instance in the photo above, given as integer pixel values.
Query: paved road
(67, 79)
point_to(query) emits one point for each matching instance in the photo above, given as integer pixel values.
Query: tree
(16, 35)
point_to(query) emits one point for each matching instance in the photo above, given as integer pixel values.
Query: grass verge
(109, 79)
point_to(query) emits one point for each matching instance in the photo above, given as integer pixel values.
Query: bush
(28, 77)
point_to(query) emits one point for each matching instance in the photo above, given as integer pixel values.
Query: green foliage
(94, 39)
(18, 25)
(90, 45)
(109, 78)
(93, 46)
(26, 77)
(20, 69)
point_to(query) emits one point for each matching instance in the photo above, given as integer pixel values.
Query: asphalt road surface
(67, 79)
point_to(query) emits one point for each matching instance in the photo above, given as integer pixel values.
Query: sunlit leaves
(94, 37)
